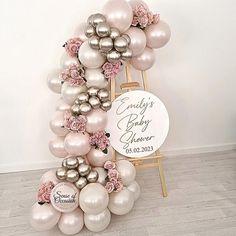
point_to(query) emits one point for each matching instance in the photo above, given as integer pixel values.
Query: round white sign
(138, 123)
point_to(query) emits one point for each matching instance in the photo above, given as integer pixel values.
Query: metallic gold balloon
(126, 36)
(61, 173)
(90, 19)
(113, 56)
(85, 108)
(94, 42)
(102, 175)
(72, 162)
(127, 55)
(103, 29)
(98, 18)
(92, 177)
(103, 95)
(75, 109)
(94, 102)
(72, 176)
(81, 182)
(84, 169)
(80, 160)
(93, 91)
(114, 33)
(90, 31)
(120, 44)
(82, 97)
(63, 164)
(106, 106)
(105, 44)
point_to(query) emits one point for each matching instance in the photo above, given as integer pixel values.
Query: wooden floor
(201, 201)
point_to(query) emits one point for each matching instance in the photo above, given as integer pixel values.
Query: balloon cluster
(108, 40)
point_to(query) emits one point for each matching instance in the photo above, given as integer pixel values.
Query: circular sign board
(65, 197)
(138, 122)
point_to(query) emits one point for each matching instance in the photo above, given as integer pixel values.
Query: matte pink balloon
(96, 120)
(145, 61)
(119, 14)
(97, 158)
(138, 40)
(57, 147)
(57, 123)
(49, 176)
(77, 143)
(158, 34)
(134, 3)
(80, 31)
(72, 222)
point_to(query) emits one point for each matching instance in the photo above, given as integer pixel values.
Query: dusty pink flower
(74, 123)
(156, 18)
(72, 46)
(109, 165)
(150, 18)
(100, 140)
(143, 21)
(135, 21)
(44, 192)
(110, 70)
(140, 10)
(109, 187)
(113, 174)
(118, 186)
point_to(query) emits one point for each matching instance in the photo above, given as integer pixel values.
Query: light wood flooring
(201, 201)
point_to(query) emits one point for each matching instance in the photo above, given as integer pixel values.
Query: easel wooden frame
(149, 161)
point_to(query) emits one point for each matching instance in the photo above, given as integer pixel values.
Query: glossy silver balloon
(57, 147)
(82, 97)
(63, 164)
(106, 106)
(81, 160)
(105, 44)
(102, 175)
(93, 91)
(54, 81)
(114, 33)
(93, 198)
(94, 102)
(121, 203)
(90, 19)
(103, 29)
(126, 36)
(80, 31)
(43, 217)
(84, 169)
(113, 56)
(103, 95)
(61, 173)
(90, 31)
(98, 18)
(127, 55)
(62, 106)
(72, 222)
(75, 109)
(57, 124)
(72, 176)
(120, 44)
(72, 162)
(85, 108)
(135, 189)
(81, 182)
(92, 177)
(67, 60)
(94, 42)
(96, 78)
(98, 222)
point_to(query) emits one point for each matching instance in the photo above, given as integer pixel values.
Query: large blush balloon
(95, 78)
(135, 3)
(98, 222)
(89, 57)
(57, 124)
(54, 81)
(57, 147)
(97, 158)
(62, 106)
(96, 120)
(127, 171)
(119, 14)
(80, 31)
(93, 198)
(144, 61)
(70, 93)
(135, 189)
(67, 60)
(137, 40)
(49, 176)
(122, 202)
(72, 222)
(158, 35)
(43, 217)
(77, 143)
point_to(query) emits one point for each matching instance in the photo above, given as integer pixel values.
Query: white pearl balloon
(127, 171)
(135, 189)
(102, 175)
(80, 31)
(70, 93)
(93, 198)
(57, 147)
(67, 60)
(54, 81)
(62, 106)
(95, 78)
(57, 123)
(49, 176)
(98, 222)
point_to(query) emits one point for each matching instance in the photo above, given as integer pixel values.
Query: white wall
(194, 75)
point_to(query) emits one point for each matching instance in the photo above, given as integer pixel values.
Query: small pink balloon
(80, 31)
(158, 35)
(138, 40)
(72, 222)
(96, 121)
(134, 3)
(77, 143)
(97, 158)
(57, 147)
(49, 176)
(57, 124)
(145, 61)
(62, 106)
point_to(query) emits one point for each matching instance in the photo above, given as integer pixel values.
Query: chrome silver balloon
(126, 36)
(82, 97)
(63, 164)
(102, 175)
(94, 102)
(103, 29)
(90, 31)
(93, 91)
(85, 108)
(84, 169)
(98, 18)
(81, 160)
(106, 106)
(75, 109)
(72, 162)
(120, 44)
(92, 177)
(94, 42)
(90, 19)
(105, 44)
(61, 173)
(127, 55)
(103, 95)
(72, 176)
(81, 182)
(113, 56)
(114, 33)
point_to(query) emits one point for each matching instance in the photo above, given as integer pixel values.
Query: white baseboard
(16, 167)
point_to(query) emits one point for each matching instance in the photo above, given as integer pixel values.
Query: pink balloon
(80, 31)
(134, 3)
(158, 34)
(57, 123)
(57, 147)
(97, 158)
(96, 121)
(49, 176)
(145, 61)
(62, 106)
(72, 222)
(77, 143)
(119, 14)
(138, 40)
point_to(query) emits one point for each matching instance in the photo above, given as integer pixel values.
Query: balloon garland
(89, 185)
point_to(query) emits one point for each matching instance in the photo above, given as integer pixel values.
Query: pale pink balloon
(96, 121)
(134, 3)
(57, 124)
(138, 40)
(97, 158)
(158, 35)
(49, 176)
(77, 143)
(72, 222)
(62, 106)
(54, 81)
(119, 14)
(145, 61)
(80, 31)
(57, 147)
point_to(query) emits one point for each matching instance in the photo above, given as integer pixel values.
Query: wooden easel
(149, 161)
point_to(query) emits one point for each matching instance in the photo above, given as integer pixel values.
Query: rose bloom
(118, 186)
(72, 46)
(140, 10)
(109, 165)
(113, 173)
(156, 18)
(109, 187)
(143, 21)
(44, 192)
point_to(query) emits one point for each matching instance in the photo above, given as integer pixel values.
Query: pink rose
(156, 18)
(143, 21)
(135, 21)
(109, 187)
(113, 174)
(44, 192)
(118, 186)
(109, 165)
(150, 18)
(72, 46)
(140, 10)
(100, 140)
(74, 123)
(110, 70)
